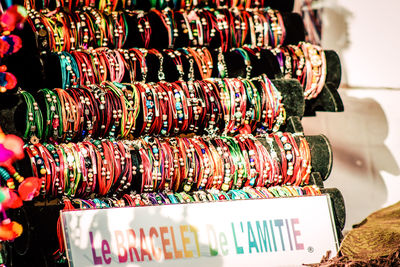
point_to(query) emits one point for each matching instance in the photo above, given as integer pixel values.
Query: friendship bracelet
(34, 120)
(178, 164)
(91, 28)
(117, 110)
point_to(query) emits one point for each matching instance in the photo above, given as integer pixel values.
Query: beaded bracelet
(106, 168)
(34, 120)
(114, 109)
(108, 6)
(91, 28)
(69, 70)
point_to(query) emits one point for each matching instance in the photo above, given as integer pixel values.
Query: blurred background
(366, 137)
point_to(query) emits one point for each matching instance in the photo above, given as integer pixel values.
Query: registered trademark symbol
(310, 249)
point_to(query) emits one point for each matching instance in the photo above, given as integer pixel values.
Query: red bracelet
(108, 168)
(146, 170)
(49, 166)
(168, 166)
(296, 161)
(306, 163)
(87, 170)
(174, 184)
(216, 176)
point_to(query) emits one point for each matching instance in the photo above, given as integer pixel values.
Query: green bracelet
(179, 197)
(53, 125)
(34, 119)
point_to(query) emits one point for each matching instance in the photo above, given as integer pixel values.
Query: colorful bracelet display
(305, 62)
(90, 28)
(115, 5)
(125, 111)
(149, 164)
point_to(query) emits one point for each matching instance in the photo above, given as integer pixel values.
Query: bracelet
(34, 120)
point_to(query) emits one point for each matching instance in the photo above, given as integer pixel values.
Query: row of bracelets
(212, 195)
(225, 28)
(149, 164)
(304, 62)
(124, 111)
(114, 5)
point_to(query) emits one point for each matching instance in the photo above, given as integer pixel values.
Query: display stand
(36, 67)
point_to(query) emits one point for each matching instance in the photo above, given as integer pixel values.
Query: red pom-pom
(12, 18)
(11, 81)
(17, 43)
(13, 202)
(10, 230)
(4, 47)
(29, 188)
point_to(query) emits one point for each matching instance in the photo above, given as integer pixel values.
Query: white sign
(265, 232)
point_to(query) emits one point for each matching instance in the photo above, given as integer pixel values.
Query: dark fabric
(333, 69)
